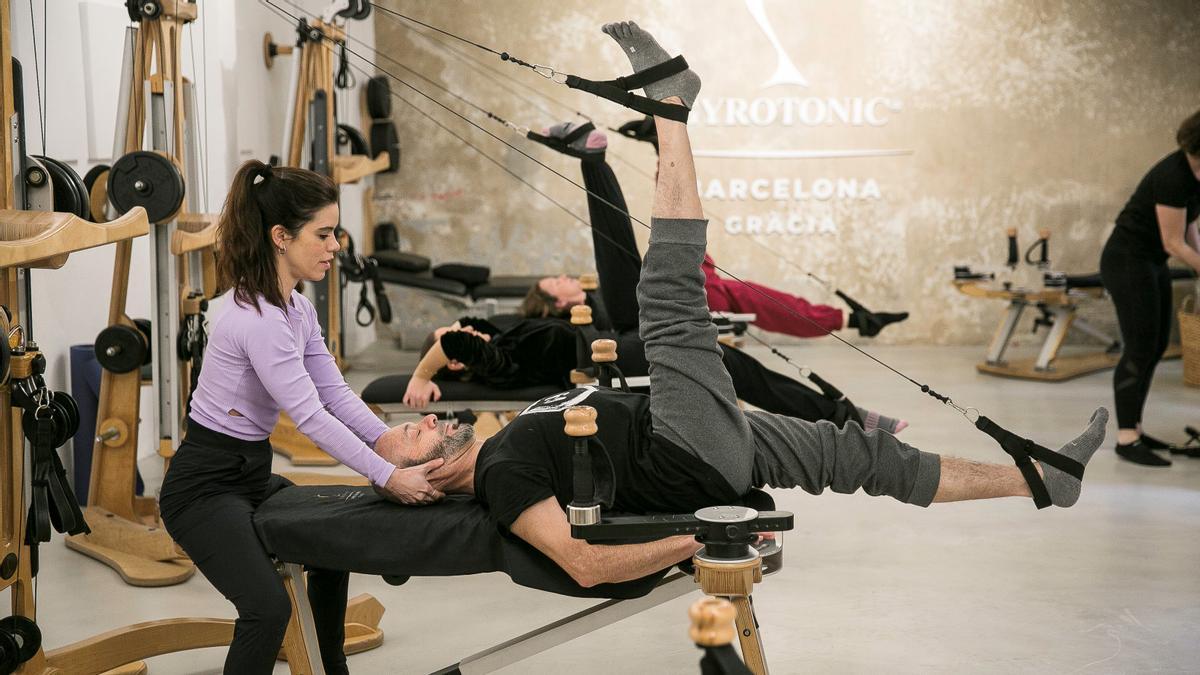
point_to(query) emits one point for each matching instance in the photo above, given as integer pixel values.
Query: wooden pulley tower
(157, 166)
(309, 142)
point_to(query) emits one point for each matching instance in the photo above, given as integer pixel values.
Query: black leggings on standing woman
(214, 484)
(1141, 290)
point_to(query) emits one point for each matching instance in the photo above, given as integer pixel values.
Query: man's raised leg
(692, 401)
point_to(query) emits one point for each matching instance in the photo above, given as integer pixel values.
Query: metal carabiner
(550, 74)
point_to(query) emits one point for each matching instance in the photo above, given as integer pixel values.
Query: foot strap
(618, 90)
(563, 144)
(1024, 451)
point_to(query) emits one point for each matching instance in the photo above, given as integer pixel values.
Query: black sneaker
(1138, 453)
(1155, 444)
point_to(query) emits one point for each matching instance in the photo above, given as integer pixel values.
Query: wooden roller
(580, 421)
(581, 315)
(604, 351)
(589, 282)
(712, 622)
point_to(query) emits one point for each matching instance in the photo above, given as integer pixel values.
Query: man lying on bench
(687, 445)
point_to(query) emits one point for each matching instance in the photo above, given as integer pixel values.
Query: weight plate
(27, 634)
(66, 200)
(68, 410)
(76, 192)
(9, 652)
(144, 327)
(147, 179)
(120, 348)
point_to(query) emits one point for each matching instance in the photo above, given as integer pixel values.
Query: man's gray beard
(455, 443)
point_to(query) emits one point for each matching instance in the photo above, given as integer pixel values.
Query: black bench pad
(347, 528)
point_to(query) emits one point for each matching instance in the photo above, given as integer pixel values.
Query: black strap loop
(617, 90)
(1024, 451)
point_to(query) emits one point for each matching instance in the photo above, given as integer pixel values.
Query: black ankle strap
(1024, 451)
(617, 90)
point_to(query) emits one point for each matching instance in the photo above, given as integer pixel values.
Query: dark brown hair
(261, 197)
(539, 304)
(1188, 135)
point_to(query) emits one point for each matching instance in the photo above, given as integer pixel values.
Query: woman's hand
(411, 485)
(420, 392)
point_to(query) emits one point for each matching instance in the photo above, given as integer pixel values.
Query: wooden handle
(580, 377)
(712, 622)
(581, 421)
(604, 351)
(1012, 231)
(581, 315)
(194, 232)
(589, 281)
(27, 236)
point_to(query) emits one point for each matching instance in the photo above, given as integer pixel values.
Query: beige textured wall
(935, 124)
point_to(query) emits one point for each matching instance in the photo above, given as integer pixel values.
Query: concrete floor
(870, 585)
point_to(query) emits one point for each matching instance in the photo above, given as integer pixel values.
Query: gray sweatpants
(693, 405)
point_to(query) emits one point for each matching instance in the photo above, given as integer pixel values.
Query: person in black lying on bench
(688, 445)
(533, 352)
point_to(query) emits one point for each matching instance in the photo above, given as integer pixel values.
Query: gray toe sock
(873, 420)
(643, 52)
(1064, 488)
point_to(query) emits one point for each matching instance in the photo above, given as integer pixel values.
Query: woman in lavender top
(266, 355)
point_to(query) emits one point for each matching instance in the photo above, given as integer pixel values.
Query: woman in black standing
(1159, 221)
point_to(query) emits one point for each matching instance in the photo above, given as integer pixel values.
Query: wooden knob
(604, 351)
(1012, 231)
(1044, 233)
(712, 622)
(581, 421)
(580, 377)
(581, 315)
(112, 432)
(589, 282)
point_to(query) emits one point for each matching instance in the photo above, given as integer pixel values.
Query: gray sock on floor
(1064, 488)
(643, 52)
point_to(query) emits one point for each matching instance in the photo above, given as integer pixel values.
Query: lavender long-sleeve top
(258, 364)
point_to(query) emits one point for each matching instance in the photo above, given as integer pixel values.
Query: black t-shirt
(1170, 183)
(530, 459)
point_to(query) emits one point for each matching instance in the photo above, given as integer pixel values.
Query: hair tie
(262, 174)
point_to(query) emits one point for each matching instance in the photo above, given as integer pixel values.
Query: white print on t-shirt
(560, 402)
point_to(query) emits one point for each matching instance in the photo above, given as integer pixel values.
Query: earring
(281, 250)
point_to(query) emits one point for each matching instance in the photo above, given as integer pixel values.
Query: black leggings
(619, 266)
(214, 484)
(1141, 290)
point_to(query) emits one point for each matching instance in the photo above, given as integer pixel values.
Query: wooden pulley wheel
(96, 182)
(147, 179)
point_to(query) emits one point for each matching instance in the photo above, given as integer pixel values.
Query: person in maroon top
(1158, 221)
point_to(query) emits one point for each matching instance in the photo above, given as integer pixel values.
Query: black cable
(476, 65)
(463, 39)
(37, 74)
(923, 387)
